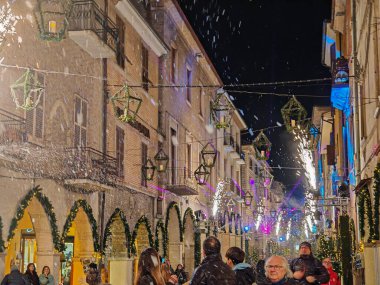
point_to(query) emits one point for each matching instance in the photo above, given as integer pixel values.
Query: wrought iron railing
(12, 128)
(182, 176)
(89, 163)
(86, 15)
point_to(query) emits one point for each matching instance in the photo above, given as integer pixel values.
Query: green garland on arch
(48, 208)
(127, 232)
(160, 226)
(197, 236)
(143, 220)
(1, 236)
(376, 196)
(171, 206)
(73, 213)
(365, 209)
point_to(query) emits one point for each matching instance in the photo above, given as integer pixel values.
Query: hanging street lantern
(311, 134)
(209, 155)
(130, 104)
(148, 170)
(51, 17)
(293, 114)
(262, 146)
(341, 71)
(248, 198)
(161, 160)
(27, 90)
(202, 174)
(222, 110)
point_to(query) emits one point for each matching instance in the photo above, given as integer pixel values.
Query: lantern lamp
(202, 174)
(262, 146)
(130, 104)
(222, 110)
(148, 170)
(161, 160)
(51, 17)
(341, 71)
(209, 155)
(248, 199)
(293, 114)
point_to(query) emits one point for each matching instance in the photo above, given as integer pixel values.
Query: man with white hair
(277, 272)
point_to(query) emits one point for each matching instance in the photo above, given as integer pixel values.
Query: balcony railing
(12, 128)
(181, 181)
(87, 16)
(89, 163)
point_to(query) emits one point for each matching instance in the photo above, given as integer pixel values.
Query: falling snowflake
(8, 22)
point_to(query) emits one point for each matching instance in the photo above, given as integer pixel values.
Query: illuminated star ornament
(8, 22)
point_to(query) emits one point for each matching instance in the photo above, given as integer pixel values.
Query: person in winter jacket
(31, 274)
(15, 277)
(245, 274)
(93, 276)
(307, 269)
(334, 279)
(149, 269)
(212, 270)
(260, 270)
(46, 278)
(181, 274)
(277, 272)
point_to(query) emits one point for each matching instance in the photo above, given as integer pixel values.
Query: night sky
(266, 41)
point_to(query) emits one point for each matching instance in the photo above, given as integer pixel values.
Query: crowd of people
(213, 270)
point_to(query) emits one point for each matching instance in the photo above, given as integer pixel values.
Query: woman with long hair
(46, 278)
(149, 268)
(32, 275)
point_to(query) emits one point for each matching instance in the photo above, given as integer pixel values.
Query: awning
(362, 184)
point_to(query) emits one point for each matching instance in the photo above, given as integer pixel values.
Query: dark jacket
(15, 278)
(285, 281)
(32, 277)
(93, 277)
(245, 274)
(181, 274)
(213, 271)
(312, 267)
(260, 271)
(146, 280)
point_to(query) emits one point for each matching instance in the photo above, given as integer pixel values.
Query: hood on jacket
(241, 266)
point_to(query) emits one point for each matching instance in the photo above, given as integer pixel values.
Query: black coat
(32, 277)
(146, 280)
(245, 274)
(15, 278)
(286, 281)
(181, 274)
(312, 267)
(213, 271)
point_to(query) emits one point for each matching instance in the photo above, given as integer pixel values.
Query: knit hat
(305, 243)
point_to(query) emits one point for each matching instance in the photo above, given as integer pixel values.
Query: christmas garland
(365, 207)
(376, 195)
(73, 213)
(175, 206)
(160, 226)
(197, 236)
(108, 233)
(1, 236)
(142, 221)
(353, 238)
(48, 208)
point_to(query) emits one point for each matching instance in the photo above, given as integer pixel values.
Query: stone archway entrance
(173, 230)
(189, 242)
(79, 241)
(32, 241)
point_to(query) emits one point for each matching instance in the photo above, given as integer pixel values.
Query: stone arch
(82, 243)
(33, 235)
(173, 234)
(118, 234)
(189, 240)
(159, 242)
(142, 236)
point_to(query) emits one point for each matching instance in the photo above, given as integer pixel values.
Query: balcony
(89, 169)
(181, 181)
(12, 128)
(229, 142)
(92, 30)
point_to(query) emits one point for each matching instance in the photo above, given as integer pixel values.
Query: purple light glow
(252, 181)
(238, 187)
(162, 190)
(266, 228)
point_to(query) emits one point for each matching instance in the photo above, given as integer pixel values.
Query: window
(120, 43)
(145, 67)
(144, 159)
(201, 100)
(35, 117)
(173, 66)
(251, 163)
(120, 151)
(188, 159)
(173, 155)
(188, 84)
(80, 122)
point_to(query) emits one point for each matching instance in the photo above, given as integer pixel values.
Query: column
(121, 271)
